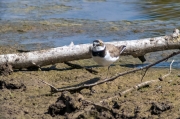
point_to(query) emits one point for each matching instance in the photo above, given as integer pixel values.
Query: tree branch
(137, 87)
(82, 86)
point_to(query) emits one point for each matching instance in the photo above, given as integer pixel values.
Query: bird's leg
(108, 71)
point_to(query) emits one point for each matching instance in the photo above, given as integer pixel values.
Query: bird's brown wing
(114, 50)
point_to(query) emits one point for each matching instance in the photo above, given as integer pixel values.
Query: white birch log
(76, 52)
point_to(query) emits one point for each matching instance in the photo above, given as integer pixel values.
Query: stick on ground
(170, 68)
(137, 87)
(79, 87)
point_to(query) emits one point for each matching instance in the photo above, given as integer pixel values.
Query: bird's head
(98, 45)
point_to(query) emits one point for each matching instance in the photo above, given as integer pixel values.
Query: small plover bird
(106, 54)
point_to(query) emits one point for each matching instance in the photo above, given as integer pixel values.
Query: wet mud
(23, 95)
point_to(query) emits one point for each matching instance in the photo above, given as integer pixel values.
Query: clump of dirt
(74, 106)
(66, 103)
(158, 108)
(6, 69)
(12, 84)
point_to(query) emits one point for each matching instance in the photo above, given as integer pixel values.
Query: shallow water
(36, 24)
(106, 10)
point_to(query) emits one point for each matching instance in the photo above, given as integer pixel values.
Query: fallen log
(136, 48)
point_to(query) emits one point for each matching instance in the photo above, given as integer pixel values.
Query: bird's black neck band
(101, 53)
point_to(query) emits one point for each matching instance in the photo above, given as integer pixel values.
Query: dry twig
(79, 87)
(99, 105)
(138, 86)
(170, 68)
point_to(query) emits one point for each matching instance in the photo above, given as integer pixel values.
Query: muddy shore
(23, 95)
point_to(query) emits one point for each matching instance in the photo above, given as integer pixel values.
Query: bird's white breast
(105, 61)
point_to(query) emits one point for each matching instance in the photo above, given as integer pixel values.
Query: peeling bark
(135, 48)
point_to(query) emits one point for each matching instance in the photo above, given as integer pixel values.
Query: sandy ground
(24, 96)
